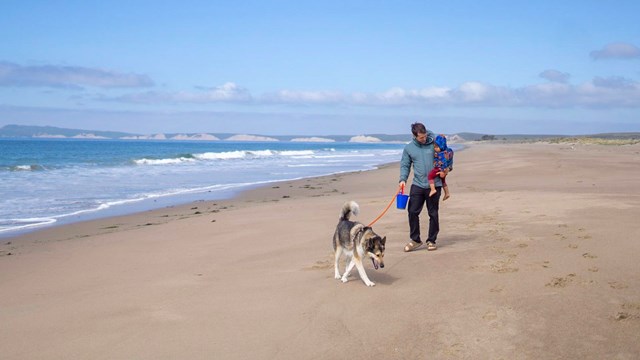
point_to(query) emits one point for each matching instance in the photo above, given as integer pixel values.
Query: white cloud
(555, 76)
(617, 51)
(473, 92)
(399, 96)
(393, 96)
(609, 92)
(614, 82)
(304, 97)
(600, 92)
(228, 92)
(551, 94)
(67, 76)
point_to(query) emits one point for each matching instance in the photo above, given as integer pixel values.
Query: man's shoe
(431, 246)
(411, 245)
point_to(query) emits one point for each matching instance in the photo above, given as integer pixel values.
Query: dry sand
(538, 258)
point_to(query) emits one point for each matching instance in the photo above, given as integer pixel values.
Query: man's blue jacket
(420, 156)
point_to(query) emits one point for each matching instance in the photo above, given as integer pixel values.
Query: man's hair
(418, 128)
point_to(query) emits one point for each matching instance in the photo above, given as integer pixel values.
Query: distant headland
(51, 132)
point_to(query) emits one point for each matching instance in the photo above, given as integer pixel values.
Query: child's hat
(441, 141)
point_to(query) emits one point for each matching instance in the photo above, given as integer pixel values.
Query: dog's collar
(360, 233)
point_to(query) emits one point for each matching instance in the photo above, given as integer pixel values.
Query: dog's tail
(350, 207)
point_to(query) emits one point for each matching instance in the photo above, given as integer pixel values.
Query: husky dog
(357, 242)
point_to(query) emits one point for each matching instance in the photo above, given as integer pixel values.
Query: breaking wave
(225, 155)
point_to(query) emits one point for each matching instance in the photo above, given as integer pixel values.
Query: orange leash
(400, 190)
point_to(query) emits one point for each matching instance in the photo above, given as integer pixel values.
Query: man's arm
(405, 167)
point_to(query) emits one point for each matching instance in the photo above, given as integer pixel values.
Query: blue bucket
(401, 201)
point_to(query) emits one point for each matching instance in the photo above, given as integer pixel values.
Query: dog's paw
(344, 279)
(338, 276)
(371, 283)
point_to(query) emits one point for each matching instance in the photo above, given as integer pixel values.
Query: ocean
(47, 182)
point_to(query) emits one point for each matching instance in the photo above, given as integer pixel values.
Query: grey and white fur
(357, 242)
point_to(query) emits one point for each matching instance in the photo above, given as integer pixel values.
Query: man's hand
(402, 185)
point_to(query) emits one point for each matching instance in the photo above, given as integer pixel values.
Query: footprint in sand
(589, 256)
(322, 264)
(631, 306)
(630, 311)
(503, 266)
(490, 316)
(617, 285)
(561, 236)
(583, 236)
(454, 350)
(560, 282)
(622, 315)
(503, 318)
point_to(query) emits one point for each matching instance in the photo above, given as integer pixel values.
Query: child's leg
(445, 187)
(431, 177)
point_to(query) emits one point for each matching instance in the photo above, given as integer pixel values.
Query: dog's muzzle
(375, 264)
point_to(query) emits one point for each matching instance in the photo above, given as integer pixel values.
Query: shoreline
(537, 257)
(125, 207)
(74, 184)
(149, 205)
(194, 208)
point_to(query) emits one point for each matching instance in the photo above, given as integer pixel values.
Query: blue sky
(321, 67)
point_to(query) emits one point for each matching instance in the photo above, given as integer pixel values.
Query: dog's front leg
(363, 274)
(347, 271)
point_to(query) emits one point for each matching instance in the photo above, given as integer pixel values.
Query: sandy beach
(537, 259)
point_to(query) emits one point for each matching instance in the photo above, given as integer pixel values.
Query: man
(419, 155)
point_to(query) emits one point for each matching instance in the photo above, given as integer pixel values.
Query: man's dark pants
(417, 198)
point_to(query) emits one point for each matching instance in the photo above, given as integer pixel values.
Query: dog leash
(400, 188)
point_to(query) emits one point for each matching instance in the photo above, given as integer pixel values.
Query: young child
(442, 160)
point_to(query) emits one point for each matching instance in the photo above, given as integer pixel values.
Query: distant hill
(536, 137)
(625, 136)
(23, 131)
(480, 137)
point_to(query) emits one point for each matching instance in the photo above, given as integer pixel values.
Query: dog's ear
(384, 240)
